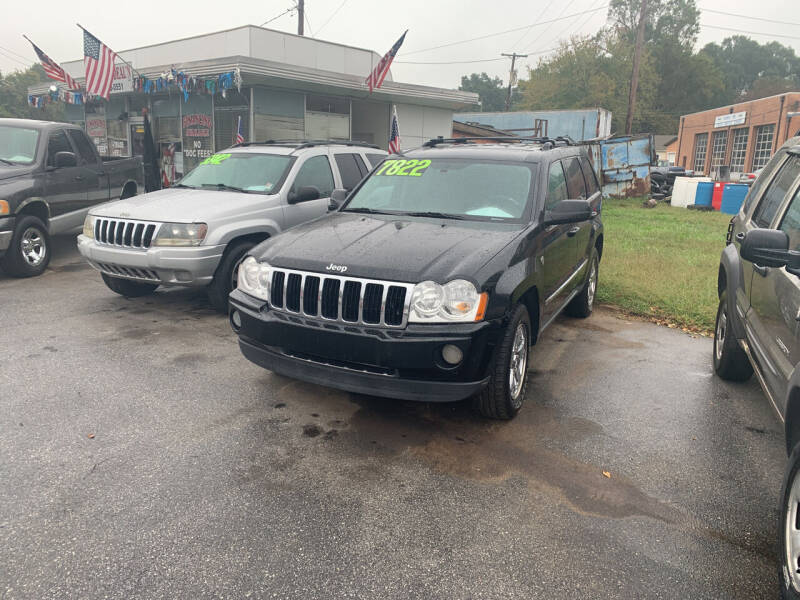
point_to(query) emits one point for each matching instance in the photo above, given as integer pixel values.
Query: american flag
(54, 70)
(378, 74)
(239, 139)
(99, 62)
(394, 134)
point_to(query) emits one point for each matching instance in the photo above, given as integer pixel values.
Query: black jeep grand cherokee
(433, 278)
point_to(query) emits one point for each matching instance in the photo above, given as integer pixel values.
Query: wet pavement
(142, 456)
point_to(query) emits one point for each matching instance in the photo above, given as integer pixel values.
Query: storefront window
(279, 115)
(719, 149)
(327, 118)
(227, 112)
(739, 151)
(167, 133)
(117, 126)
(700, 149)
(763, 149)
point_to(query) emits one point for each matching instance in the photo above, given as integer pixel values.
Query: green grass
(662, 262)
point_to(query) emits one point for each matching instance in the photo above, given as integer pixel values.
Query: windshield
(457, 188)
(246, 172)
(18, 145)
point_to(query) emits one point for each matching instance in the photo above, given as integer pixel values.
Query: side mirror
(769, 248)
(65, 159)
(304, 194)
(569, 211)
(338, 196)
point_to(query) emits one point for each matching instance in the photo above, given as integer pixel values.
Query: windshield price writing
(400, 167)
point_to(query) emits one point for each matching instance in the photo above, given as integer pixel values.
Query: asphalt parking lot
(142, 456)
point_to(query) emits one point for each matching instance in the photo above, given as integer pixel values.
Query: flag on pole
(239, 139)
(378, 74)
(53, 70)
(394, 133)
(98, 59)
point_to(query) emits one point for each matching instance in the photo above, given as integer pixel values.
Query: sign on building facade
(730, 119)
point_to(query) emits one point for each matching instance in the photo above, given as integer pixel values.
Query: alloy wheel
(519, 362)
(33, 247)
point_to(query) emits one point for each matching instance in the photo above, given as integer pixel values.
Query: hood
(9, 171)
(409, 249)
(181, 205)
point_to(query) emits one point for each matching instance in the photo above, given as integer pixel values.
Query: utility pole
(637, 56)
(301, 15)
(512, 76)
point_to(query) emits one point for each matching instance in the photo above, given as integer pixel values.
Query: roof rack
(298, 144)
(546, 142)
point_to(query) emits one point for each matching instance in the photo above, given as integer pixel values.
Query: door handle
(760, 270)
(573, 232)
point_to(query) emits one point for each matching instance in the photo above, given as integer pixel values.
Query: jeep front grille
(343, 299)
(128, 234)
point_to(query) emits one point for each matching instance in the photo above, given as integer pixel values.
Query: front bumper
(405, 364)
(6, 233)
(189, 266)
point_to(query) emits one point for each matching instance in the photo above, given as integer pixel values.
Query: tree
(677, 21)
(491, 91)
(14, 96)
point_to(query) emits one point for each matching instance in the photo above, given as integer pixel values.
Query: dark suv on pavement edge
(433, 278)
(758, 322)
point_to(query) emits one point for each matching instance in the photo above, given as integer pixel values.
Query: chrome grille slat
(124, 233)
(356, 299)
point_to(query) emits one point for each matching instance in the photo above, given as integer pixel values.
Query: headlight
(88, 226)
(254, 278)
(180, 234)
(457, 300)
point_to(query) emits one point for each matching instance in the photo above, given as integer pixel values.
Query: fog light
(452, 354)
(236, 320)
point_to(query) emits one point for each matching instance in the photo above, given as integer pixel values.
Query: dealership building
(280, 85)
(743, 136)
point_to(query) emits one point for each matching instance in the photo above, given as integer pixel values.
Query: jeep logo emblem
(337, 268)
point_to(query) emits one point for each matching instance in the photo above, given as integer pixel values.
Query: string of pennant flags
(99, 63)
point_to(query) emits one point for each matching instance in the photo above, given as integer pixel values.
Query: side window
(315, 171)
(791, 222)
(575, 183)
(556, 186)
(348, 169)
(57, 142)
(776, 192)
(588, 175)
(81, 142)
(763, 178)
(376, 159)
(361, 166)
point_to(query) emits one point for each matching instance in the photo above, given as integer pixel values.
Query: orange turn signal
(484, 300)
(4, 209)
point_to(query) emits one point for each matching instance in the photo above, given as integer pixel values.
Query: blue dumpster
(705, 190)
(732, 197)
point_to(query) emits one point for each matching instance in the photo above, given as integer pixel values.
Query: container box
(704, 193)
(685, 190)
(716, 199)
(732, 197)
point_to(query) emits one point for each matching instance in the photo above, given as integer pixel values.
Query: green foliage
(675, 21)
(14, 96)
(491, 91)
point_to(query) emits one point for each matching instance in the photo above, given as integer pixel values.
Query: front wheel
(29, 252)
(730, 361)
(503, 396)
(128, 288)
(788, 530)
(226, 275)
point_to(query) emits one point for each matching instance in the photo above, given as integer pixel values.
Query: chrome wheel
(33, 246)
(719, 334)
(519, 362)
(792, 534)
(592, 285)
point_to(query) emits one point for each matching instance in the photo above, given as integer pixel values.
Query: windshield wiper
(225, 186)
(183, 185)
(435, 215)
(369, 211)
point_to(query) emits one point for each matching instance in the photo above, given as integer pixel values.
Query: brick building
(743, 136)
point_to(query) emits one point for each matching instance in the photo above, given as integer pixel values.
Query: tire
(497, 400)
(128, 288)
(787, 528)
(582, 304)
(29, 252)
(224, 281)
(730, 361)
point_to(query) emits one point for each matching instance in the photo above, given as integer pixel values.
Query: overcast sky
(372, 24)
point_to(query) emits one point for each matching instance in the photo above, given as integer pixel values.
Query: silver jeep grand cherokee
(195, 233)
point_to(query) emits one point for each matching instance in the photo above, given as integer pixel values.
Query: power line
(22, 56)
(483, 37)
(563, 31)
(722, 12)
(331, 17)
(527, 31)
(11, 57)
(286, 12)
(305, 14)
(790, 37)
(453, 62)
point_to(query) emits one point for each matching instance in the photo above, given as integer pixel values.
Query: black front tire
(730, 361)
(224, 281)
(128, 288)
(498, 400)
(790, 505)
(582, 304)
(29, 252)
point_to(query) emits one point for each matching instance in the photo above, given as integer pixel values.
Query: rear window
(376, 159)
(575, 183)
(588, 175)
(776, 192)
